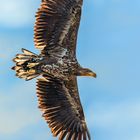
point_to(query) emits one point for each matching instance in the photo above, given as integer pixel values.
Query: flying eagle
(55, 34)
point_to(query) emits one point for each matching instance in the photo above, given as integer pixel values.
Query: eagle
(55, 35)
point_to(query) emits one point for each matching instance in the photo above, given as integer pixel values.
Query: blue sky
(108, 43)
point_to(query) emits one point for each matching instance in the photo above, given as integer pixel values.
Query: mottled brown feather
(61, 109)
(52, 19)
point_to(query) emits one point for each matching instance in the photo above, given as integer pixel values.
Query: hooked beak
(92, 74)
(85, 72)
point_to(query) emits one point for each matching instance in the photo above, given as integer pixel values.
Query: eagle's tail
(27, 65)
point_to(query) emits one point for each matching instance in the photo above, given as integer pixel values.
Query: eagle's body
(55, 34)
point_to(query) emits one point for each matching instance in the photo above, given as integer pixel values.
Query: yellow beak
(91, 74)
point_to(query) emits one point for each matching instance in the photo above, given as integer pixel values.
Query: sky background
(108, 43)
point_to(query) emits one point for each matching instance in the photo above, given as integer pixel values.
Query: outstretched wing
(62, 109)
(56, 26)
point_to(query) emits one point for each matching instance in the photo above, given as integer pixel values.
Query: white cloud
(17, 108)
(44, 135)
(121, 115)
(17, 13)
(14, 121)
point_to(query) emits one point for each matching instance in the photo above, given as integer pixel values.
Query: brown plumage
(55, 34)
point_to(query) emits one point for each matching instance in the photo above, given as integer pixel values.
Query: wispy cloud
(122, 113)
(15, 13)
(115, 120)
(16, 108)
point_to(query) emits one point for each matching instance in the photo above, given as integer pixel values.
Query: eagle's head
(85, 72)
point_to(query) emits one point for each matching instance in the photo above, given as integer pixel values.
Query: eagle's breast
(61, 67)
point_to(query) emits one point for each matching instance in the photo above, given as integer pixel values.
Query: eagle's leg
(27, 65)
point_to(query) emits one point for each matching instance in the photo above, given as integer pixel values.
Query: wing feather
(61, 110)
(57, 23)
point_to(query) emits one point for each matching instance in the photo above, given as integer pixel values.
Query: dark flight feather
(56, 26)
(62, 112)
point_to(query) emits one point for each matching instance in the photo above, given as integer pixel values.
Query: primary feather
(56, 26)
(61, 109)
